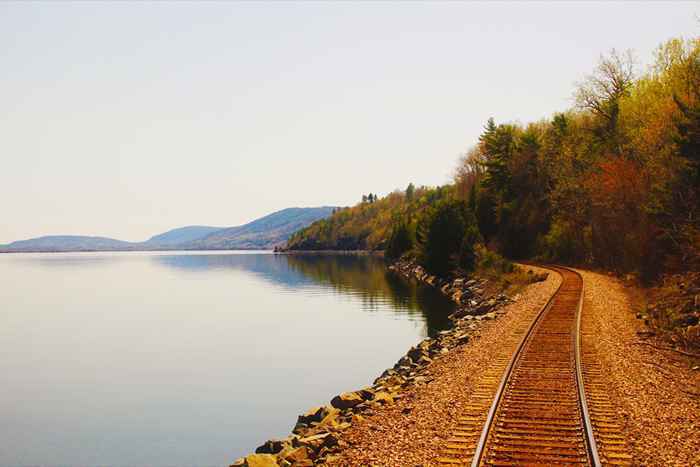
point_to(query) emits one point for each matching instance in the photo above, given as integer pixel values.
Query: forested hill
(613, 182)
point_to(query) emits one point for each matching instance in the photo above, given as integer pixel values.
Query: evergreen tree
(441, 238)
(410, 190)
(400, 241)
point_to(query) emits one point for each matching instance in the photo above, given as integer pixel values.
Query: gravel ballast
(656, 392)
(410, 431)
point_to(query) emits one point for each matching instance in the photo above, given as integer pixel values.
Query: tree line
(612, 182)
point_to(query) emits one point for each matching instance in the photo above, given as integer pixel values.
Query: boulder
(315, 414)
(330, 420)
(298, 455)
(347, 400)
(271, 446)
(415, 353)
(404, 361)
(314, 442)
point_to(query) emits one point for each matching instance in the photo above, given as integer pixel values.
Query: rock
(405, 360)
(383, 397)
(483, 308)
(458, 283)
(414, 354)
(462, 338)
(313, 442)
(457, 296)
(331, 419)
(329, 442)
(297, 455)
(261, 460)
(272, 446)
(396, 380)
(315, 414)
(491, 315)
(346, 400)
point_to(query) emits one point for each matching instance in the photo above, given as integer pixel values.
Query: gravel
(411, 431)
(656, 392)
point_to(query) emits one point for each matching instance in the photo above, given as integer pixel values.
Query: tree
(441, 237)
(410, 190)
(400, 240)
(602, 91)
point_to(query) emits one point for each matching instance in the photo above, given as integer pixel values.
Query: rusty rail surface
(537, 411)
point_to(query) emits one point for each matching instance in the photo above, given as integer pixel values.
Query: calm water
(179, 359)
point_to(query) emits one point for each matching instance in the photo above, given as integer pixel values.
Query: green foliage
(400, 241)
(367, 226)
(614, 182)
(446, 237)
(410, 191)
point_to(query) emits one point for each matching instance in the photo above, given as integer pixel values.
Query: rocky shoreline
(317, 434)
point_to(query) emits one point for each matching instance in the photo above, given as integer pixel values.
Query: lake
(188, 358)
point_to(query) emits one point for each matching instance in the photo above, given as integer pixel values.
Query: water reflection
(364, 277)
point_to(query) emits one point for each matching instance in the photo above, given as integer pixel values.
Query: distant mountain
(264, 233)
(181, 235)
(69, 243)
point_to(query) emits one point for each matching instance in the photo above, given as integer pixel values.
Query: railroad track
(531, 408)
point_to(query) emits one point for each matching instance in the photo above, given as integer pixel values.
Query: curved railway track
(532, 407)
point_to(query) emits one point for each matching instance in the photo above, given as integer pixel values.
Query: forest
(613, 183)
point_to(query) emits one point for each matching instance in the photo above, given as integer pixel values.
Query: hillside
(368, 225)
(181, 235)
(68, 243)
(264, 233)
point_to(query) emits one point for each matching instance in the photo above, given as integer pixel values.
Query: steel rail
(591, 447)
(478, 453)
(585, 414)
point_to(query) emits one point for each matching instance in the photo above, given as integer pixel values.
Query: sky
(126, 119)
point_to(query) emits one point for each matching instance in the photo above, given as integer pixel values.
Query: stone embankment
(317, 436)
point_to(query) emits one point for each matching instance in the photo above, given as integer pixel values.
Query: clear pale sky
(127, 119)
